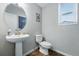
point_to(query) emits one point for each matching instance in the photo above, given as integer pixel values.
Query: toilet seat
(45, 44)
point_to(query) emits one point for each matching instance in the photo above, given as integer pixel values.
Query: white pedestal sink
(17, 39)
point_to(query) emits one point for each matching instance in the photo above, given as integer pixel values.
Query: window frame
(76, 15)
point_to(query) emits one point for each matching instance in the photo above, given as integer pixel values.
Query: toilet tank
(38, 38)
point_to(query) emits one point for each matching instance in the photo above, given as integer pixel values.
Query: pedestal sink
(17, 39)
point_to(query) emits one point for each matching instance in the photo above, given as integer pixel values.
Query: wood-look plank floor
(38, 53)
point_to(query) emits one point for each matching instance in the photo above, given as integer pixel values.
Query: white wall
(63, 38)
(32, 28)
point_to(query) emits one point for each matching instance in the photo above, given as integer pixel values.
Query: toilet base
(43, 50)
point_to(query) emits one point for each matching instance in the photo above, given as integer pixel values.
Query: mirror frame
(21, 6)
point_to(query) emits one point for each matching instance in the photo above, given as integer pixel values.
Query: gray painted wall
(32, 28)
(5, 47)
(63, 38)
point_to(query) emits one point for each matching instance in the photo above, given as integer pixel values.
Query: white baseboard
(62, 53)
(30, 51)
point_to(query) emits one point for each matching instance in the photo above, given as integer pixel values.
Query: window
(67, 13)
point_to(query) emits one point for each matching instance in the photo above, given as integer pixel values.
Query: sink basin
(15, 38)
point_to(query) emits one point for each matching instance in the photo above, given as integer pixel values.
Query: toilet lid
(44, 43)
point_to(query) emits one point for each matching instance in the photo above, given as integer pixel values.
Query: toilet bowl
(43, 45)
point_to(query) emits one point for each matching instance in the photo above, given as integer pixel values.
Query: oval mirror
(15, 17)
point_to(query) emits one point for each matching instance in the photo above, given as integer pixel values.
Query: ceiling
(42, 4)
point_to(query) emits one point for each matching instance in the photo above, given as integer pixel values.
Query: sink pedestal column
(18, 48)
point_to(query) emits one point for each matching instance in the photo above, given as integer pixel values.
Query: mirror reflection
(15, 17)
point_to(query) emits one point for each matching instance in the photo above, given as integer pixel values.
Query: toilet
(43, 45)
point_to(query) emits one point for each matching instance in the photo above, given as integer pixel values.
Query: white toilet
(43, 45)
